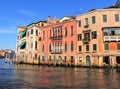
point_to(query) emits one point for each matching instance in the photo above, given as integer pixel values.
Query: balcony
(111, 38)
(56, 52)
(56, 38)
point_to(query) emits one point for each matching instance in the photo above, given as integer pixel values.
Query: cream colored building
(27, 42)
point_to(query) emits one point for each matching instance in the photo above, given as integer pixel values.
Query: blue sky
(14, 13)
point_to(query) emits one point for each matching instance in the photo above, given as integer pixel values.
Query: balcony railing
(111, 38)
(56, 38)
(56, 52)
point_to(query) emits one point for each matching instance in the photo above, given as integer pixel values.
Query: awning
(22, 44)
(23, 33)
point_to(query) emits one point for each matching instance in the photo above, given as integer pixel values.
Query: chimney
(49, 19)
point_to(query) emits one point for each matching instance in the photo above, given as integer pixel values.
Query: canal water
(43, 77)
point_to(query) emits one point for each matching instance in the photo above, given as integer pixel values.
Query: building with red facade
(58, 42)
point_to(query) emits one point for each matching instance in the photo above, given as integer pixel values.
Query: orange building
(99, 37)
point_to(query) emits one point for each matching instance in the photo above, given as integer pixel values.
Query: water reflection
(43, 77)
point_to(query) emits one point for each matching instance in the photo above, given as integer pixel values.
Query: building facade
(89, 39)
(27, 43)
(98, 42)
(59, 42)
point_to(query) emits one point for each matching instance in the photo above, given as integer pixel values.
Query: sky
(14, 13)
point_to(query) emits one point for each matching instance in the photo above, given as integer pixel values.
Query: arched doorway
(88, 61)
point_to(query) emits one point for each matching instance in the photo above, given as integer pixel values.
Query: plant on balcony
(86, 41)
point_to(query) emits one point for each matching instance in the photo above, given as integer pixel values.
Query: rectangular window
(43, 58)
(79, 37)
(31, 31)
(117, 18)
(43, 35)
(72, 47)
(36, 45)
(86, 22)
(35, 56)
(43, 48)
(65, 58)
(36, 32)
(93, 20)
(31, 45)
(65, 47)
(80, 48)
(94, 35)
(104, 18)
(49, 47)
(65, 31)
(87, 47)
(72, 58)
(118, 46)
(79, 23)
(71, 30)
(106, 46)
(94, 47)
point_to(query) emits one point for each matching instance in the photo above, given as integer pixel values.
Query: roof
(66, 18)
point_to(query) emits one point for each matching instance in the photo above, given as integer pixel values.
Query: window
(35, 56)
(104, 18)
(106, 46)
(50, 33)
(118, 46)
(65, 47)
(86, 22)
(87, 47)
(36, 45)
(79, 23)
(49, 47)
(87, 36)
(93, 20)
(36, 32)
(43, 48)
(72, 46)
(43, 35)
(79, 37)
(31, 45)
(111, 31)
(50, 58)
(43, 58)
(65, 31)
(80, 48)
(94, 35)
(31, 31)
(71, 30)
(72, 59)
(117, 19)
(94, 47)
(28, 34)
(65, 58)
